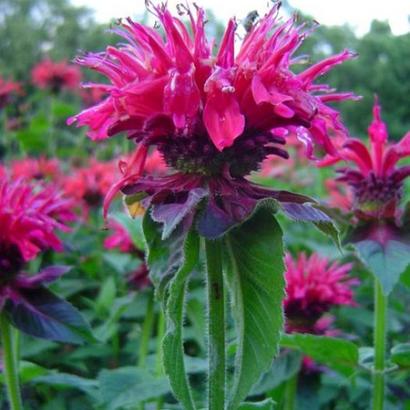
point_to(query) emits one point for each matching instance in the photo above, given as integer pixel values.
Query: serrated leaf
(400, 354)
(40, 313)
(172, 345)
(164, 257)
(127, 386)
(338, 354)
(170, 215)
(255, 276)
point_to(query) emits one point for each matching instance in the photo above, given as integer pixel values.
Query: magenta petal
(223, 119)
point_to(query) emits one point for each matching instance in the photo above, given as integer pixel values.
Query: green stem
(146, 331)
(10, 365)
(291, 388)
(380, 316)
(159, 369)
(216, 326)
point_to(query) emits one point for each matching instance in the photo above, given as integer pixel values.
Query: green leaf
(400, 354)
(127, 386)
(133, 227)
(173, 350)
(27, 371)
(267, 404)
(387, 262)
(164, 257)
(283, 368)
(255, 276)
(338, 354)
(106, 296)
(87, 386)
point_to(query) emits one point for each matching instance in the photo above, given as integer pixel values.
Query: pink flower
(36, 168)
(119, 238)
(29, 219)
(56, 75)
(213, 117)
(373, 173)
(89, 184)
(7, 89)
(339, 196)
(314, 286)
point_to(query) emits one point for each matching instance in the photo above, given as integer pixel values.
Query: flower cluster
(213, 118)
(314, 286)
(374, 176)
(36, 169)
(56, 75)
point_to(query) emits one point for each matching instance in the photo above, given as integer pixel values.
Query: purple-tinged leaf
(40, 313)
(46, 275)
(172, 214)
(304, 212)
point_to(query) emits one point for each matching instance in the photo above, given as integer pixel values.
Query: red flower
(29, 218)
(213, 118)
(119, 238)
(375, 177)
(7, 89)
(56, 75)
(314, 286)
(339, 196)
(36, 168)
(89, 184)
(91, 96)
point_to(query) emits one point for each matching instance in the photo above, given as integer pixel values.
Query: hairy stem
(380, 316)
(159, 368)
(10, 365)
(146, 331)
(216, 326)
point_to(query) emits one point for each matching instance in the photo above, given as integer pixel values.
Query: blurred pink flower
(29, 218)
(56, 75)
(339, 196)
(119, 238)
(7, 89)
(88, 185)
(314, 286)
(36, 168)
(373, 173)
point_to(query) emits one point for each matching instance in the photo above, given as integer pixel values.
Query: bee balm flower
(213, 117)
(314, 286)
(373, 173)
(55, 75)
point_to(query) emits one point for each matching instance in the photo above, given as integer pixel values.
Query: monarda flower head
(7, 90)
(36, 169)
(29, 219)
(313, 286)
(56, 75)
(373, 174)
(214, 117)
